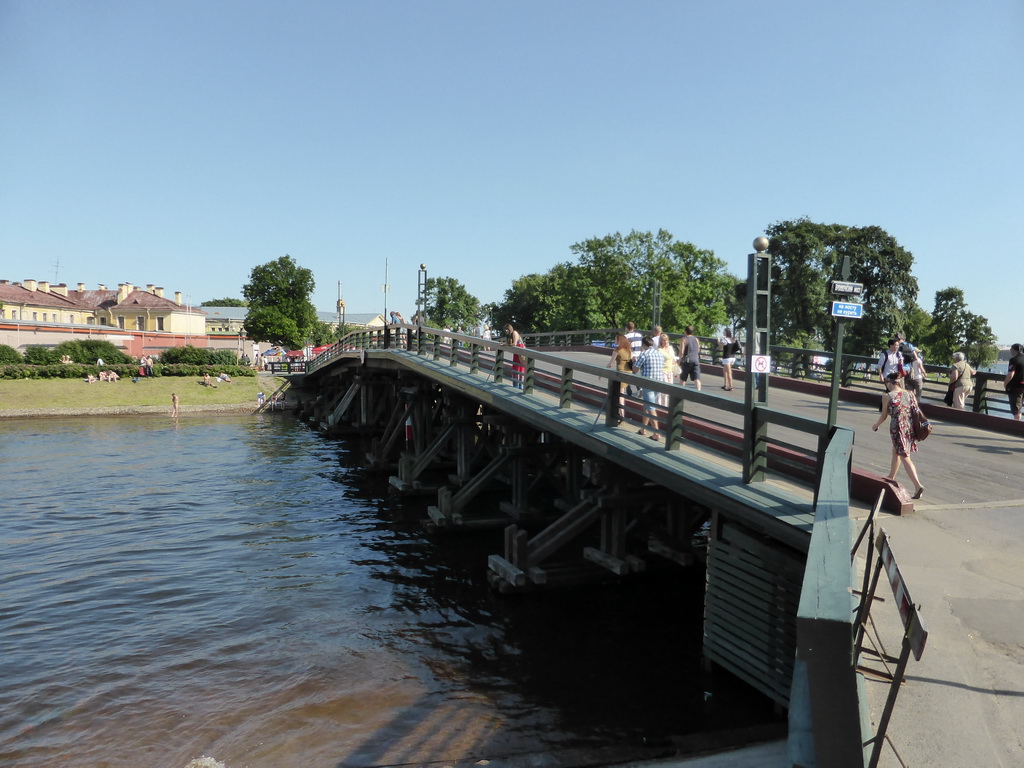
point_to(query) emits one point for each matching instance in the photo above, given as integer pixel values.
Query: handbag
(922, 427)
(948, 399)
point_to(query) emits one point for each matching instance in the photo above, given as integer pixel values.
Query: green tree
(617, 274)
(736, 303)
(806, 256)
(550, 302)
(280, 310)
(224, 303)
(449, 304)
(918, 325)
(980, 347)
(955, 329)
(322, 333)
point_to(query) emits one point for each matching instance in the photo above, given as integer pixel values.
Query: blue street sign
(847, 309)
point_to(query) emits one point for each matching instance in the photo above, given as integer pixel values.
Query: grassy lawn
(75, 393)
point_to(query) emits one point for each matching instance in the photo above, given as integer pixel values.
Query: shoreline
(128, 410)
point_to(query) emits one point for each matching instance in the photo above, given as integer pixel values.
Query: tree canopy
(954, 329)
(280, 310)
(612, 283)
(807, 256)
(450, 304)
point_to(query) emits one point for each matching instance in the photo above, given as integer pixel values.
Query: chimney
(5, 282)
(44, 286)
(150, 287)
(159, 291)
(61, 289)
(81, 286)
(177, 298)
(123, 289)
(101, 287)
(29, 285)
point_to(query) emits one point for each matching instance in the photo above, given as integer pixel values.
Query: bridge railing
(712, 419)
(827, 705)
(859, 372)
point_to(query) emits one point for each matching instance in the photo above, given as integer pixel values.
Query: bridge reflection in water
(760, 499)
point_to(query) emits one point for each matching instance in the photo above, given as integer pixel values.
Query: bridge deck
(778, 507)
(960, 464)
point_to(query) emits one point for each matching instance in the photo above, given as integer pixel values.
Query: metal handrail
(555, 374)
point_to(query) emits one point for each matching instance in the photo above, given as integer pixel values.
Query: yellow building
(127, 308)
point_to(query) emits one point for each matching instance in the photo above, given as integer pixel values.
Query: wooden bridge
(759, 496)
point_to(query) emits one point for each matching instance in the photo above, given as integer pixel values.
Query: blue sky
(182, 143)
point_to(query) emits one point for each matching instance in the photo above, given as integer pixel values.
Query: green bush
(38, 355)
(234, 371)
(223, 357)
(187, 355)
(86, 351)
(124, 370)
(9, 355)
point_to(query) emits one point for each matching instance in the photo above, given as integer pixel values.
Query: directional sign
(844, 288)
(847, 309)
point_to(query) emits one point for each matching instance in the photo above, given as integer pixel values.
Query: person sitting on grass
(90, 379)
(207, 381)
(224, 377)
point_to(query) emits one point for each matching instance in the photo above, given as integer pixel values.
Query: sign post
(842, 311)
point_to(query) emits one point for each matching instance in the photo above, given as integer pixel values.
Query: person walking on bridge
(898, 405)
(960, 376)
(650, 364)
(689, 358)
(1014, 381)
(890, 361)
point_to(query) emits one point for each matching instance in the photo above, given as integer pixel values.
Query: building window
(120, 322)
(159, 323)
(71, 319)
(90, 321)
(140, 323)
(35, 315)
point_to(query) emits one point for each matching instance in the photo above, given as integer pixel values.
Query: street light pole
(655, 303)
(421, 294)
(755, 453)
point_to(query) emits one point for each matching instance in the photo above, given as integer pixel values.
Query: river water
(239, 588)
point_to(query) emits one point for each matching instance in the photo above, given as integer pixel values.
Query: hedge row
(125, 370)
